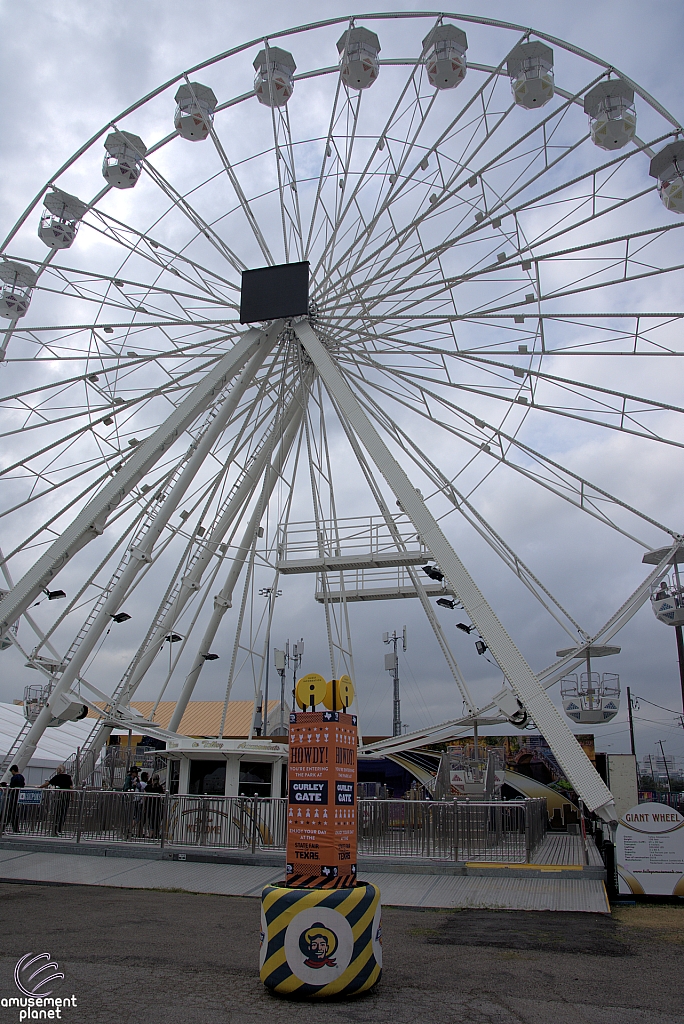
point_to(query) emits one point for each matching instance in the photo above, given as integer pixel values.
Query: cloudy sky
(67, 69)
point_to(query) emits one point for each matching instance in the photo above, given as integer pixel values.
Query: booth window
(255, 778)
(207, 777)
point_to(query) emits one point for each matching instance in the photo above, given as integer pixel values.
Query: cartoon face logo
(318, 944)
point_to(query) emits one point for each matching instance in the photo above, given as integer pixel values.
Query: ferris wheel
(296, 326)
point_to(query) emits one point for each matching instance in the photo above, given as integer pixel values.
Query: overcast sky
(68, 68)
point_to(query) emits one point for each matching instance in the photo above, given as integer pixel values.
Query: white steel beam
(578, 768)
(224, 599)
(190, 583)
(92, 520)
(251, 349)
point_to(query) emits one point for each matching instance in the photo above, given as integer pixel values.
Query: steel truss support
(224, 600)
(578, 768)
(91, 522)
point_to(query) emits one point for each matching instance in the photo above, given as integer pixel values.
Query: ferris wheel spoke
(363, 176)
(394, 532)
(241, 197)
(196, 561)
(572, 385)
(461, 503)
(158, 255)
(409, 179)
(452, 189)
(418, 264)
(436, 286)
(77, 283)
(244, 556)
(203, 227)
(495, 443)
(178, 386)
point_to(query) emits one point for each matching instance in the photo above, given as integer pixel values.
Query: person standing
(132, 781)
(153, 806)
(62, 782)
(17, 782)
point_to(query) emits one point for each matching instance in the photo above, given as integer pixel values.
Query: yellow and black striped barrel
(321, 942)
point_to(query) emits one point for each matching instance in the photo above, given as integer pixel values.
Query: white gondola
(17, 282)
(445, 56)
(124, 155)
(274, 79)
(668, 167)
(591, 698)
(612, 115)
(530, 69)
(667, 602)
(358, 49)
(195, 106)
(60, 219)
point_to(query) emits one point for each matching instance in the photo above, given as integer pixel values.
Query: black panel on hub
(270, 293)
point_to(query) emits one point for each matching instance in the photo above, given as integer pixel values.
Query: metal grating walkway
(558, 848)
(406, 890)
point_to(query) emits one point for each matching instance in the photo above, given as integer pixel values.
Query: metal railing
(489, 831)
(442, 830)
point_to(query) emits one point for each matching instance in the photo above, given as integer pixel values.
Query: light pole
(392, 665)
(271, 593)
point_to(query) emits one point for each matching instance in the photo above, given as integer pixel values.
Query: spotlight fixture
(210, 657)
(462, 625)
(55, 595)
(480, 646)
(433, 572)
(121, 617)
(446, 602)
(173, 638)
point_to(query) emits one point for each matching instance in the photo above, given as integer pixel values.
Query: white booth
(235, 767)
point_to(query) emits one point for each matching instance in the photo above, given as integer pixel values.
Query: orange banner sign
(321, 813)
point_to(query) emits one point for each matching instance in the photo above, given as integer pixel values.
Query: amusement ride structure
(473, 220)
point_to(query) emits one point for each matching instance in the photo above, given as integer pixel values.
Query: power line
(677, 713)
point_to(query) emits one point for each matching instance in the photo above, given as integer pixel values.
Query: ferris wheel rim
(309, 26)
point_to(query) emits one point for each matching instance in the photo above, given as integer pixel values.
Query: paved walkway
(401, 890)
(134, 956)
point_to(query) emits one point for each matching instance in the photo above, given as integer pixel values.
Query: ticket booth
(252, 768)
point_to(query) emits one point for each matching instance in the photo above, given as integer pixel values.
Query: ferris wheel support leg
(92, 520)
(578, 768)
(223, 600)
(192, 580)
(99, 506)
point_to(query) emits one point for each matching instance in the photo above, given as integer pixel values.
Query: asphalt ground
(163, 957)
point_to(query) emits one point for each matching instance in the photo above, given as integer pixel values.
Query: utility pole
(392, 665)
(667, 770)
(631, 722)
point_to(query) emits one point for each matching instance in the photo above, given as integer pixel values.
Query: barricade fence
(444, 830)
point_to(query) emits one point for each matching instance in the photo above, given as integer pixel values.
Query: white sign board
(650, 850)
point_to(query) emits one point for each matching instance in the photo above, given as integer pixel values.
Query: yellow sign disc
(346, 691)
(339, 693)
(310, 690)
